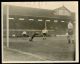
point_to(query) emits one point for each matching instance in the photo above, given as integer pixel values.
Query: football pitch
(52, 49)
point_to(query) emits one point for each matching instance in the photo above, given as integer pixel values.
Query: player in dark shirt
(31, 38)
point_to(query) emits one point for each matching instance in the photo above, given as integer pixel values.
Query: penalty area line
(26, 53)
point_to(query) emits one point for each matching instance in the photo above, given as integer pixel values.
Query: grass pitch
(52, 49)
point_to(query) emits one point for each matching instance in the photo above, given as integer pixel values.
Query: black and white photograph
(40, 32)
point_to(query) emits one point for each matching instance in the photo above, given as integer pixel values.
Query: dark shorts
(44, 34)
(24, 35)
(70, 31)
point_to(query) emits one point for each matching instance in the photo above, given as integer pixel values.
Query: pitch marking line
(26, 53)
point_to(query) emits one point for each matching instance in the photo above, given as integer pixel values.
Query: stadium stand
(16, 26)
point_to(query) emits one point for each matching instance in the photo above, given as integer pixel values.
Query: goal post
(7, 20)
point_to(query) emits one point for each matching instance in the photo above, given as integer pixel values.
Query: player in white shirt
(70, 32)
(24, 34)
(13, 35)
(44, 33)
